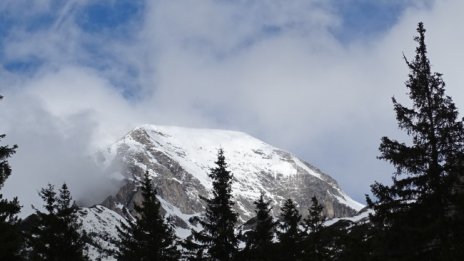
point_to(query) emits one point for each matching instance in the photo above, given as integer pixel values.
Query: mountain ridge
(180, 158)
(179, 161)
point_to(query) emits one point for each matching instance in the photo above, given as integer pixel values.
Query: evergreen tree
(315, 220)
(456, 212)
(314, 246)
(192, 249)
(57, 234)
(412, 216)
(259, 245)
(10, 239)
(217, 240)
(354, 244)
(149, 237)
(346, 241)
(289, 233)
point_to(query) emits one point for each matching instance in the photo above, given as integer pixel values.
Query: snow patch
(359, 217)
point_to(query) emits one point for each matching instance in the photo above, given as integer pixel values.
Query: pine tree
(412, 215)
(289, 233)
(10, 239)
(315, 220)
(456, 211)
(149, 237)
(259, 241)
(314, 246)
(57, 235)
(347, 241)
(217, 240)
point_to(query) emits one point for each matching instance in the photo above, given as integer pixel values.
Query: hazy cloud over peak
(313, 77)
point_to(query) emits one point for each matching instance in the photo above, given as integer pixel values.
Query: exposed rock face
(179, 160)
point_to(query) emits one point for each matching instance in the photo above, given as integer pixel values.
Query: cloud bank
(275, 69)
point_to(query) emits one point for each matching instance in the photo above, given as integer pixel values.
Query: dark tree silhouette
(217, 240)
(57, 234)
(314, 247)
(149, 237)
(315, 220)
(259, 241)
(289, 233)
(412, 216)
(10, 239)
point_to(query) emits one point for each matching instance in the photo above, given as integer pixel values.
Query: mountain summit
(179, 160)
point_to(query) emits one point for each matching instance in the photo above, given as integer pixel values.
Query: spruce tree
(149, 237)
(314, 247)
(315, 220)
(412, 215)
(217, 240)
(289, 233)
(354, 243)
(10, 239)
(58, 234)
(259, 241)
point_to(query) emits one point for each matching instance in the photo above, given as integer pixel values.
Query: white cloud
(269, 68)
(58, 120)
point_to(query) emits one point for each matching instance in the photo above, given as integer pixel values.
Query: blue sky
(366, 18)
(115, 21)
(313, 77)
(120, 20)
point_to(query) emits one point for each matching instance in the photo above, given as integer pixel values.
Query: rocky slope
(179, 160)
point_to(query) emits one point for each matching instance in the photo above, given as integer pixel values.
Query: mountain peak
(180, 160)
(196, 150)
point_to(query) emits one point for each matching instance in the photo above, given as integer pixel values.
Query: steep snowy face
(101, 225)
(180, 159)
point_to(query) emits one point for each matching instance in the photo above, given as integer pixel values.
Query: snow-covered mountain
(179, 160)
